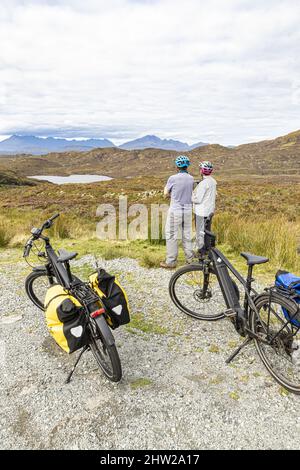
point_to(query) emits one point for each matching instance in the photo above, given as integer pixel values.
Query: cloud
(210, 70)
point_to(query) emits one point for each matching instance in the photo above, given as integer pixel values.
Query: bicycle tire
(172, 291)
(256, 327)
(99, 346)
(32, 292)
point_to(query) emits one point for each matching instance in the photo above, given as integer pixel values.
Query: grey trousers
(200, 226)
(178, 225)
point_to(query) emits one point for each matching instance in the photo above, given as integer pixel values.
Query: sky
(194, 70)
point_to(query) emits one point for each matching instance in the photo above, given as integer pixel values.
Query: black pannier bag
(113, 296)
(66, 319)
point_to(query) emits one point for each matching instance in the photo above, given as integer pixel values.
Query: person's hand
(167, 193)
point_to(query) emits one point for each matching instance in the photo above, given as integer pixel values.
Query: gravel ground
(176, 392)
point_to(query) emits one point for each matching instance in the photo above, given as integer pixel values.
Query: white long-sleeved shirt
(204, 197)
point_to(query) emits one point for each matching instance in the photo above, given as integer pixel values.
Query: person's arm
(199, 193)
(168, 188)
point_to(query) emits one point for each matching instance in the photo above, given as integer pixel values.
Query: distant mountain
(18, 144)
(39, 146)
(152, 141)
(199, 144)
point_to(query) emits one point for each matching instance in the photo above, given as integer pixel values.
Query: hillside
(9, 178)
(267, 158)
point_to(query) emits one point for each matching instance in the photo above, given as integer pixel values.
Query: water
(71, 178)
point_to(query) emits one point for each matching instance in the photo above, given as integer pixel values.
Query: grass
(138, 322)
(255, 216)
(140, 383)
(216, 380)
(214, 348)
(15, 226)
(61, 229)
(283, 392)
(151, 260)
(4, 235)
(275, 237)
(234, 395)
(147, 255)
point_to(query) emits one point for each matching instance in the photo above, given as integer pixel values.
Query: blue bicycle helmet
(182, 161)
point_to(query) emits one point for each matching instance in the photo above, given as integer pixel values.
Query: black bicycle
(207, 290)
(56, 270)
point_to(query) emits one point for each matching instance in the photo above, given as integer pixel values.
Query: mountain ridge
(152, 141)
(40, 146)
(18, 144)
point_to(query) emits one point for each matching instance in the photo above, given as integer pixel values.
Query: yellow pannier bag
(66, 320)
(113, 296)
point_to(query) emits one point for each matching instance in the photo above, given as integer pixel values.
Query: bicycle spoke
(280, 345)
(100, 351)
(198, 294)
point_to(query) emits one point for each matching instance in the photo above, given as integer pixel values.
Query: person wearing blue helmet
(182, 162)
(179, 188)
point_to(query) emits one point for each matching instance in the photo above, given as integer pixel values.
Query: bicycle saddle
(253, 259)
(65, 255)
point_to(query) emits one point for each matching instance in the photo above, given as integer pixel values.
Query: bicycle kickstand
(235, 353)
(74, 367)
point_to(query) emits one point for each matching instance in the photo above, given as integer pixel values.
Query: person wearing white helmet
(204, 200)
(179, 188)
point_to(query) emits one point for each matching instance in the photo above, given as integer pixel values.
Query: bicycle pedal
(230, 313)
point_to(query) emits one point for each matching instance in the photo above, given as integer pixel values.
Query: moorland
(258, 204)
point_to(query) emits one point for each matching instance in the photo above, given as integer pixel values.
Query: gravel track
(176, 392)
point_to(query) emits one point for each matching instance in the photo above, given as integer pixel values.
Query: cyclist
(204, 200)
(179, 188)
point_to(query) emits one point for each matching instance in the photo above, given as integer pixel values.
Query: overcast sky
(211, 70)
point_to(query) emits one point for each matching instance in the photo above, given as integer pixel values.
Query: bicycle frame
(61, 272)
(222, 266)
(79, 289)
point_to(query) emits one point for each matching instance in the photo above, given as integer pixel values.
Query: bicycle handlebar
(37, 234)
(49, 222)
(54, 217)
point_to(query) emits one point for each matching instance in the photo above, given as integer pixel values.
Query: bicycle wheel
(36, 286)
(105, 354)
(279, 343)
(198, 294)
